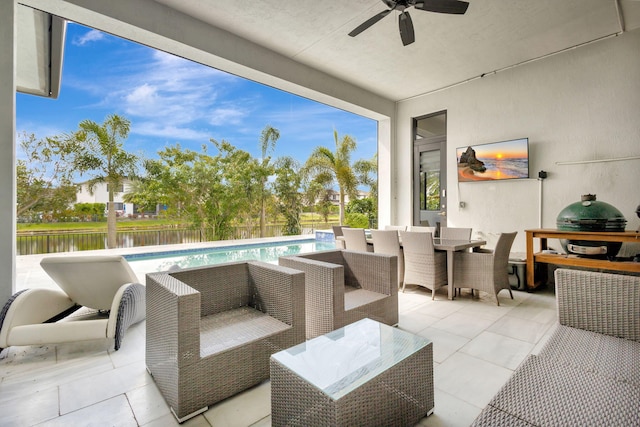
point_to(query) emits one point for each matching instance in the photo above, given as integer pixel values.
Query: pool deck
(29, 274)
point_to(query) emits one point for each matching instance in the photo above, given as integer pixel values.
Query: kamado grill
(591, 215)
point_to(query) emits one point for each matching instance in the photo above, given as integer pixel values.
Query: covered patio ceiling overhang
(303, 47)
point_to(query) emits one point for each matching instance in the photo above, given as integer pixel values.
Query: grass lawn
(307, 219)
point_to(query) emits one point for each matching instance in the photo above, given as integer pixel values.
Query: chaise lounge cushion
(545, 393)
(605, 355)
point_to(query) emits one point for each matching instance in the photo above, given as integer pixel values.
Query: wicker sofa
(211, 330)
(588, 371)
(344, 286)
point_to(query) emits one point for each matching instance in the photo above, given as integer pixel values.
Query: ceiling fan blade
(369, 22)
(406, 28)
(455, 7)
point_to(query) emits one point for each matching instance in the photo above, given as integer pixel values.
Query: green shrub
(357, 220)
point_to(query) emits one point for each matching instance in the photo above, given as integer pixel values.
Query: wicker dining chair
(455, 233)
(396, 227)
(338, 235)
(356, 240)
(211, 330)
(422, 229)
(485, 271)
(388, 242)
(423, 265)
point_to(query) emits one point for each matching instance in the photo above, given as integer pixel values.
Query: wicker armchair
(345, 286)
(423, 265)
(211, 330)
(485, 271)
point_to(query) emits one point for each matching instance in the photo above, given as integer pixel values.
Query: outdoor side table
(364, 374)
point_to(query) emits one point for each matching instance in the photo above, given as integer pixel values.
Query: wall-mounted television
(494, 161)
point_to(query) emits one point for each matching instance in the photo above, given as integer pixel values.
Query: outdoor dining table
(450, 246)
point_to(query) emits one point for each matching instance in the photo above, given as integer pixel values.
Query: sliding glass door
(429, 170)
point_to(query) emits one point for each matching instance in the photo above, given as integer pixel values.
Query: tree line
(215, 189)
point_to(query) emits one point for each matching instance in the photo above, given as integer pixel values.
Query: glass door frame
(420, 145)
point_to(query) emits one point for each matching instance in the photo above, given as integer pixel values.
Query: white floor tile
(14, 360)
(112, 412)
(470, 379)
(416, 320)
(444, 343)
(449, 411)
(242, 410)
(169, 420)
(520, 329)
(51, 376)
(147, 403)
(29, 410)
(536, 313)
(498, 349)
(463, 324)
(87, 391)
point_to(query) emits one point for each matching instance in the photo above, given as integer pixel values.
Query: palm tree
(367, 172)
(326, 165)
(101, 152)
(268, 139)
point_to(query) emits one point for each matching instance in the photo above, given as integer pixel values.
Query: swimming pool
(267, 252)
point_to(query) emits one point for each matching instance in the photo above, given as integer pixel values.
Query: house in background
(100, 194)
(334, 197)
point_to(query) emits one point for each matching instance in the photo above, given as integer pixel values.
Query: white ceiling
(449, 49)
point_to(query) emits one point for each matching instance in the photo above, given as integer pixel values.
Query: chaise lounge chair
(99, 297)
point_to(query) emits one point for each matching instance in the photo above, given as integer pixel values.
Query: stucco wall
(583, 104)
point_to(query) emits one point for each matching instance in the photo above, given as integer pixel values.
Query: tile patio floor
(477, 346)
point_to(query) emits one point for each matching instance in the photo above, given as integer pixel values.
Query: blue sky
(170, 100)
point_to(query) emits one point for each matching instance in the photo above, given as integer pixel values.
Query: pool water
(267, 252)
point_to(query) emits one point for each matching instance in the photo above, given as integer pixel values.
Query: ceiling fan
(456, 7)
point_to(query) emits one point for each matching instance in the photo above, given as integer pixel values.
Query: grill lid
(590, 215)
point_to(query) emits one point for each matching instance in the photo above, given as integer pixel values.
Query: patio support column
(387, 202)
(8, 149)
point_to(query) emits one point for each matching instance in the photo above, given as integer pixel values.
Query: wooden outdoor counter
(574, 260)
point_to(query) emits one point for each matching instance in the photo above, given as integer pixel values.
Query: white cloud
(227, 116)
(90, 36)
(172, 133)
(141, 94)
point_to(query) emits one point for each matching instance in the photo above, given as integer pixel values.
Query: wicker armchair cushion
(233, 328)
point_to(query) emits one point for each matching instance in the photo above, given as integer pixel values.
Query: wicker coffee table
(366, 373)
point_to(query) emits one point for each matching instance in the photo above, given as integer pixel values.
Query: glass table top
(343, 360)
